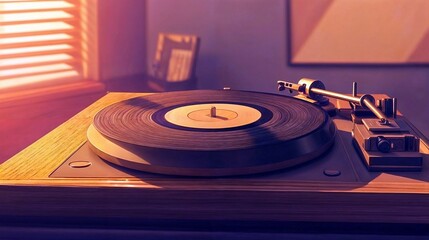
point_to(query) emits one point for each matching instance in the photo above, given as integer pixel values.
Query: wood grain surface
(27, 192)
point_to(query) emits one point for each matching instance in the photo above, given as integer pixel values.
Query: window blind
(39, 41)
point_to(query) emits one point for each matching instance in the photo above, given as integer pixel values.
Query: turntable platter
(211, 133)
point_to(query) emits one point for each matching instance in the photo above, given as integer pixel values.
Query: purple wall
(244, 46)
(121, 36)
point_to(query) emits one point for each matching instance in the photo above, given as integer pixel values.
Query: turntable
(226, 156)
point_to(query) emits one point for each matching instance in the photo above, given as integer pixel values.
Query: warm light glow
(30, 16)
(34, 59)
(35, 49)
(34, 27)
(32, 70)
(20, 6)
(29, 39)
(39, 41)
(89, 38)
(37, 78)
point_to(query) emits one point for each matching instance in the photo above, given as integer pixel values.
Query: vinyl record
(211, 133)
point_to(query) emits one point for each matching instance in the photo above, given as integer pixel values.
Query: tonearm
(315, 90)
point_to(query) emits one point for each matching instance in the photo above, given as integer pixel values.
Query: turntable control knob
(383, 145)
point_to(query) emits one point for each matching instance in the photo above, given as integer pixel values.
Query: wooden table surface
(26, 191)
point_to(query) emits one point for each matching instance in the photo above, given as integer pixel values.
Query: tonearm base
(383, 140)
(391, 150)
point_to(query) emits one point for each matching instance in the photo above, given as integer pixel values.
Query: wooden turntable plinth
(29, 193)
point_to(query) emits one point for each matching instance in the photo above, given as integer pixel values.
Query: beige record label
(213, 116)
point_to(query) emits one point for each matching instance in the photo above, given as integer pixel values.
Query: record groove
(138, 121)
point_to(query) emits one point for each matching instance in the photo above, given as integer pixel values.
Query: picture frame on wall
(387, 32)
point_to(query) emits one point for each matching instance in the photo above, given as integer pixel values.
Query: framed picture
(175, 62)
(175, 57)
(359, 32)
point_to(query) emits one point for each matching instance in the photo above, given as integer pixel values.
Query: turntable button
(332, 173)
(80, 164)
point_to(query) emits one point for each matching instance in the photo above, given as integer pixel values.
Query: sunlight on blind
(34, 27)
(24, 50)
(24, 17)
(39, 69)
(36, 39)
(39, 41)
